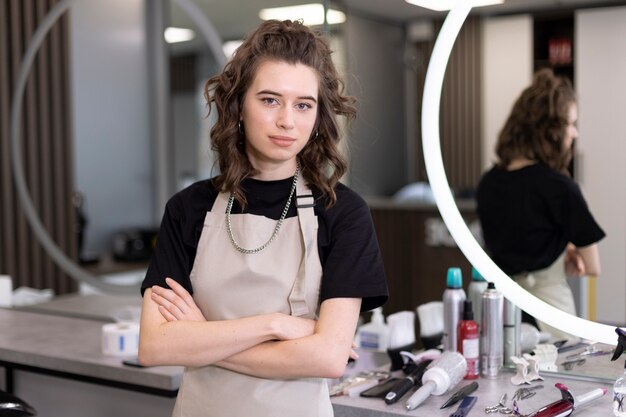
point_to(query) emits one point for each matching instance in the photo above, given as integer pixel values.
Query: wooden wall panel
(46, 147)
(460, 108)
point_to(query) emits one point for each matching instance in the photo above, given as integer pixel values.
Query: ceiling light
(230, 47)
(311, 14)
(441, 5)
(174, 35)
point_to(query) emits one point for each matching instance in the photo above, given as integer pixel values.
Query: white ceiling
(235, 18)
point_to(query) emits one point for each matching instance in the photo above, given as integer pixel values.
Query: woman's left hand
(176, 303)
(574, 264)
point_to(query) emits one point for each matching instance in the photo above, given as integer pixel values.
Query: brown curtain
(460, 108)
(46, 140)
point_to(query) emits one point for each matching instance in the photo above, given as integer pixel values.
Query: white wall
(109, 87)
(600, 62)
(507, 44)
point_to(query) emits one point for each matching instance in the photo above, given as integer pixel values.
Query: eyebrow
(274, 93)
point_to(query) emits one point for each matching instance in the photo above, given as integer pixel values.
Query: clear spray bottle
(619, 388)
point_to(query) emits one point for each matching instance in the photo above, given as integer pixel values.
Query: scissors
(500, 407)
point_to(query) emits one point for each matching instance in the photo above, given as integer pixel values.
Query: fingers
(180, 291)
(164, 303)
(177, 295)
(166, 314)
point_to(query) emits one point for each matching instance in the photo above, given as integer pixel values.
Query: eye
(304, 106)
(269, 100)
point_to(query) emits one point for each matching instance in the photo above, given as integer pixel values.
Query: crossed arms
(174, 332)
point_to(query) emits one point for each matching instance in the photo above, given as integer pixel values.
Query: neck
(519, 163)
(275, 172)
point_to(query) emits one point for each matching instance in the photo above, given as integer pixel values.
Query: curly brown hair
(536, 127)
(321, 162)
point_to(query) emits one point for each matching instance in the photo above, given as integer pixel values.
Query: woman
(536, 223)
(260, 274)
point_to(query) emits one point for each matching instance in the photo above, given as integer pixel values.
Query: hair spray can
(453, 298)
(475, 290)
(491, 338)
(512, 331)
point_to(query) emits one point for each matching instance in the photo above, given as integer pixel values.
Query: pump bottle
(468, 341)
(375, 334)
(619, 387)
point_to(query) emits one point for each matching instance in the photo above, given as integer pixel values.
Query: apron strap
(220, 203)
(308, 227)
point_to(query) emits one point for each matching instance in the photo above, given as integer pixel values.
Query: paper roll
(6, 291)
(120, 339)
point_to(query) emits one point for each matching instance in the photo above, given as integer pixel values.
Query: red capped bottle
(468, 341)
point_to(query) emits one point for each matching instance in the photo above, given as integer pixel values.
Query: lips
(282, 141)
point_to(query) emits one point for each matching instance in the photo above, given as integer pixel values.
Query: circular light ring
(450, 212)
(57, 254)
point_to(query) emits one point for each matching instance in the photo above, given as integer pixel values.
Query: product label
(470, 348)
(471, 354)
(369, 340)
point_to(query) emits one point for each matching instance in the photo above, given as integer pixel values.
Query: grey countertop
(72, 345)
(65, 343)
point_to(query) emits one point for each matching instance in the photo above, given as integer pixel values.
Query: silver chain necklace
(278, 223)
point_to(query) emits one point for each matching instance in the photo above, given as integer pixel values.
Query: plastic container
(468, 341)
(375, 334)
(453, 298)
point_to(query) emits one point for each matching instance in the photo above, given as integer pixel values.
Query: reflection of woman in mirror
(536, 223)
(260, 273)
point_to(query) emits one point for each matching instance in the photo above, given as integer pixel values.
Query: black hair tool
(404, 385)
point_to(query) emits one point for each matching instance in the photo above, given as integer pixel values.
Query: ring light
(57, 254)
(450, 212)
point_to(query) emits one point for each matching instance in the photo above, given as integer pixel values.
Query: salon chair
(12, 406)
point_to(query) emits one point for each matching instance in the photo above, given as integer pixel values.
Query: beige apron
(285, 277)
(550, 285)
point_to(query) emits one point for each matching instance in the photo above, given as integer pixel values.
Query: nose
(285, 118)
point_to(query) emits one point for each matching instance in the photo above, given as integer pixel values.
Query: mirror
(451, 215)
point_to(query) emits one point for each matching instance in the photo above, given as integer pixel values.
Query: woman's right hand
(176, 303)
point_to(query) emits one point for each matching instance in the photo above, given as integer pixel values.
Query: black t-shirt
(529, 215)
(347, 245)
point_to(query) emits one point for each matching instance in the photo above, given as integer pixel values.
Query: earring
(317, 133)
(240, 128)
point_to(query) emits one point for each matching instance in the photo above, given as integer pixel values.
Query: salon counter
(54, 362)
(488, 394)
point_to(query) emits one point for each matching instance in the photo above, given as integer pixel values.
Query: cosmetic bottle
(453, 298)
(512, 332)
(491, 337)
(468, 341)
(475, 290)
(375, 334)
(619, 395)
